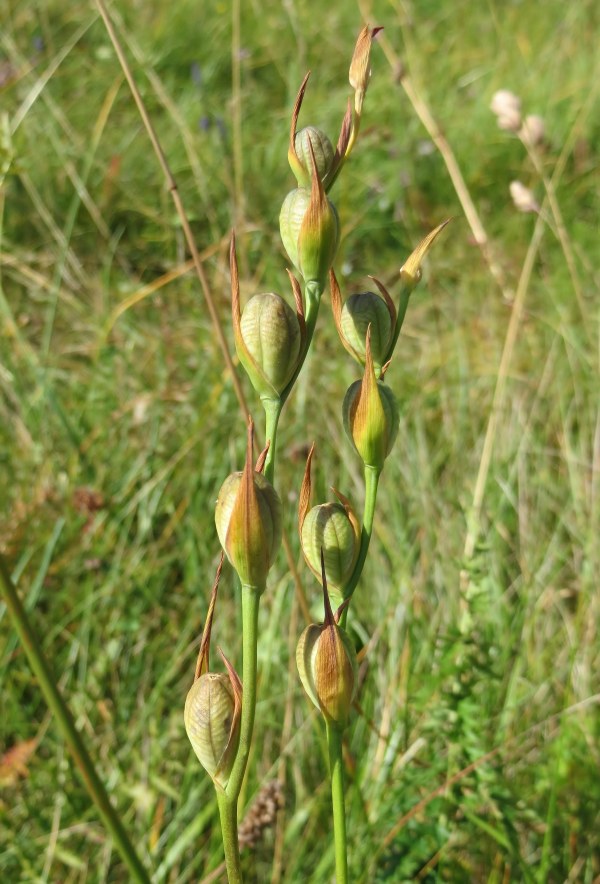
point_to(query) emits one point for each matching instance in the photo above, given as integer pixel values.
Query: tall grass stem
(66, 724)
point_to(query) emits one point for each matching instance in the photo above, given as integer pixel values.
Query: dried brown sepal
(360, 71)
(387, 298)
(341, 149)
(260, 461)
(384, 368)
(305, 489)
(336, 307)
(203, 661)
(297, 291)
(293, 159)
(235, 682)
(329, 618)
(338, 614)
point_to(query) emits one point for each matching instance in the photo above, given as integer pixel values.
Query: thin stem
(250, 603)
(272, 409)
(336, 771)
(64, 719)
(371, 482)
(405, 293)
(172, 185)
(312, 297)
(229, 831)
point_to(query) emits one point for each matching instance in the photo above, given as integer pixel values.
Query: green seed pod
(322, 149)
(370, 416)
(329, 527)
(309, 228)
(272, 336)
(360, 311)
(248, 520)
(327, 664)
(212, 723)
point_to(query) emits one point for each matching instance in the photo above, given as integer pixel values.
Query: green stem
(336, 770)
(405, 293)
(371, 482)
(229, 831)
(250, 603)
(65, 722)
(272, 409)
(312, 296)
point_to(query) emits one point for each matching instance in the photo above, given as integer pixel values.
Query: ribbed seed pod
(328, 527)
(272, 336)
(361, 310)
(250, 545)
(248, 520)
(322, 149)
(327, 664)
(212, 724)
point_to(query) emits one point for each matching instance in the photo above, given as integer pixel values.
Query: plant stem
(229, 832)
(336, 770)
(405, 293)
(272, 409)
(64, 719)
(250, 603)
(371, 482)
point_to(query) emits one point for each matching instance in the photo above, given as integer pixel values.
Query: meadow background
(474, 752)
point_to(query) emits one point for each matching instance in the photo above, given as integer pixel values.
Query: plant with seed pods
(272, 340)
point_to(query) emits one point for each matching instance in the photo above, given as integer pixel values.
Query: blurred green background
(473, 754)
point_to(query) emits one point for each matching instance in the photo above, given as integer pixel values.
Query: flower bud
(212, 721)
(360, 70)
(370, 416)
(327, 665)
(322, 149)
(248, 520)
(309, 228)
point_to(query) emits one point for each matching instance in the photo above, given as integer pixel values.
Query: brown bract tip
(305, 489)
(203, 661)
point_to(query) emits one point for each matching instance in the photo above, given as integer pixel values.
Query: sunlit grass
(136, 406)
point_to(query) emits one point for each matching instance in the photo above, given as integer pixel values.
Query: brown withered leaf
(13, 764)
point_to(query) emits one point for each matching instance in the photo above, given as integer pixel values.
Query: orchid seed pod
(309, 228)
(370, 416)
(327, 664)
(272, 335)
(269, 336)
(248, 520)
(322, 149)
(359, 312)
(212, 721)
(332, 529)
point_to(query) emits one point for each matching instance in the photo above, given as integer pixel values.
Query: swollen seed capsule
(248, 520)
(370, 416)
(309, 228)
(327, 527)
(212, 725)
(360, 311)
(272, 336)
(322, 150)
(327, 666)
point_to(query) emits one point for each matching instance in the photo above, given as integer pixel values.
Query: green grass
(475, 753)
